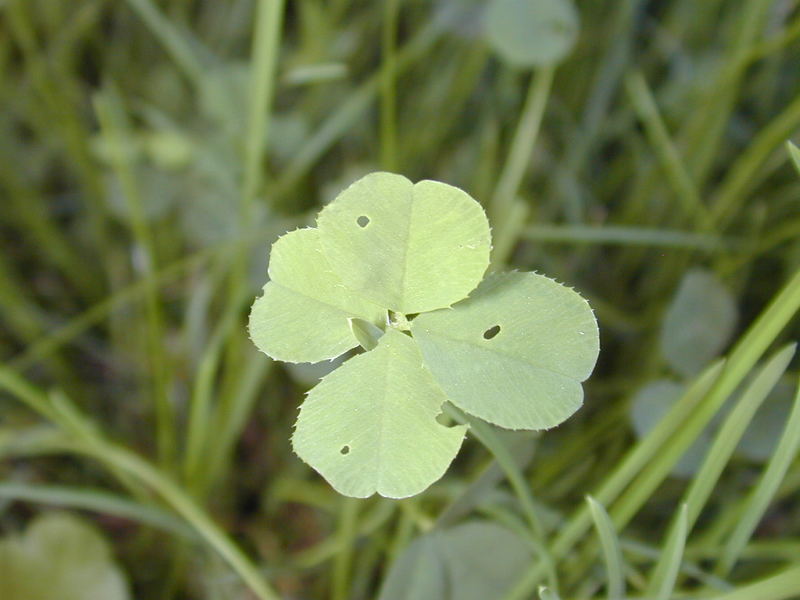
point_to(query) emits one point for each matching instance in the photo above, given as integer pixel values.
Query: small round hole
(491, 332)
(362, 221)
(345, 450)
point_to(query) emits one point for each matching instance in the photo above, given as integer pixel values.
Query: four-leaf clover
(396, 268)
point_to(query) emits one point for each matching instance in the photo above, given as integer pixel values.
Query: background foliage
(150, 152)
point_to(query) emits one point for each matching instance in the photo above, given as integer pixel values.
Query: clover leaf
(303, 314)
(527, 33)
(410, 248)
(395, 268)
(515, 352)
(59, 556)
(370, 426)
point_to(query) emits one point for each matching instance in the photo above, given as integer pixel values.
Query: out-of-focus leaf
(759, 440)
(649, 406)
(158, 191)
(529, 33)
(62, 557)
(472, 561)
(698, 323)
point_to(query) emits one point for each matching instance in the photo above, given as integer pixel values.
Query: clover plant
(398, 269)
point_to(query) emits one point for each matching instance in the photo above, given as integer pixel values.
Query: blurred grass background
(151, 151)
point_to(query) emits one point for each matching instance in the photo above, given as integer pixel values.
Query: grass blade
(762, 494)
(782, 586)
(732, 430)
(611, 551)
(96, 501)
(662, 581)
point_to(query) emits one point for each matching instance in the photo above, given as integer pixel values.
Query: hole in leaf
(491, 332)
(345, 449)
(362, 221)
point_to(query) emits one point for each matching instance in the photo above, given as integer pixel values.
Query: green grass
(151, 151)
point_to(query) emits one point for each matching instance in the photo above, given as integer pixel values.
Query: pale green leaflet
(396, 268)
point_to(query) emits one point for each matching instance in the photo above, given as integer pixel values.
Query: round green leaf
(370, 426)
(454, 564)
(650, 404)
(698, 323)
(529, 33)
(515, 352)
(59, 556)
(303, 314)
(408, 247)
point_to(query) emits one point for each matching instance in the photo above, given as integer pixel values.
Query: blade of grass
(733, 189)
(349, 111)
(783, 586)
(794, 154)
(199, 421)
(96, 501)
(88, 441)
(706, 130)
(722, 382)
(732, 430)
(179, 44)
(762, 494)
(665, 573)
(235, 405)
(726, 440)
(625, 236)
(615, 589)
(677, 174)
(116, 128)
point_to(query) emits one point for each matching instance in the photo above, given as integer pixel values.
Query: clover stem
(519, 155)
(399, 321)
(486, 436)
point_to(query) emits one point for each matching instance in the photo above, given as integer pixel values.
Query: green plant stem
(266, 44)
(500, 210)
(677, 174)
(264, 59)
(487, 437)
